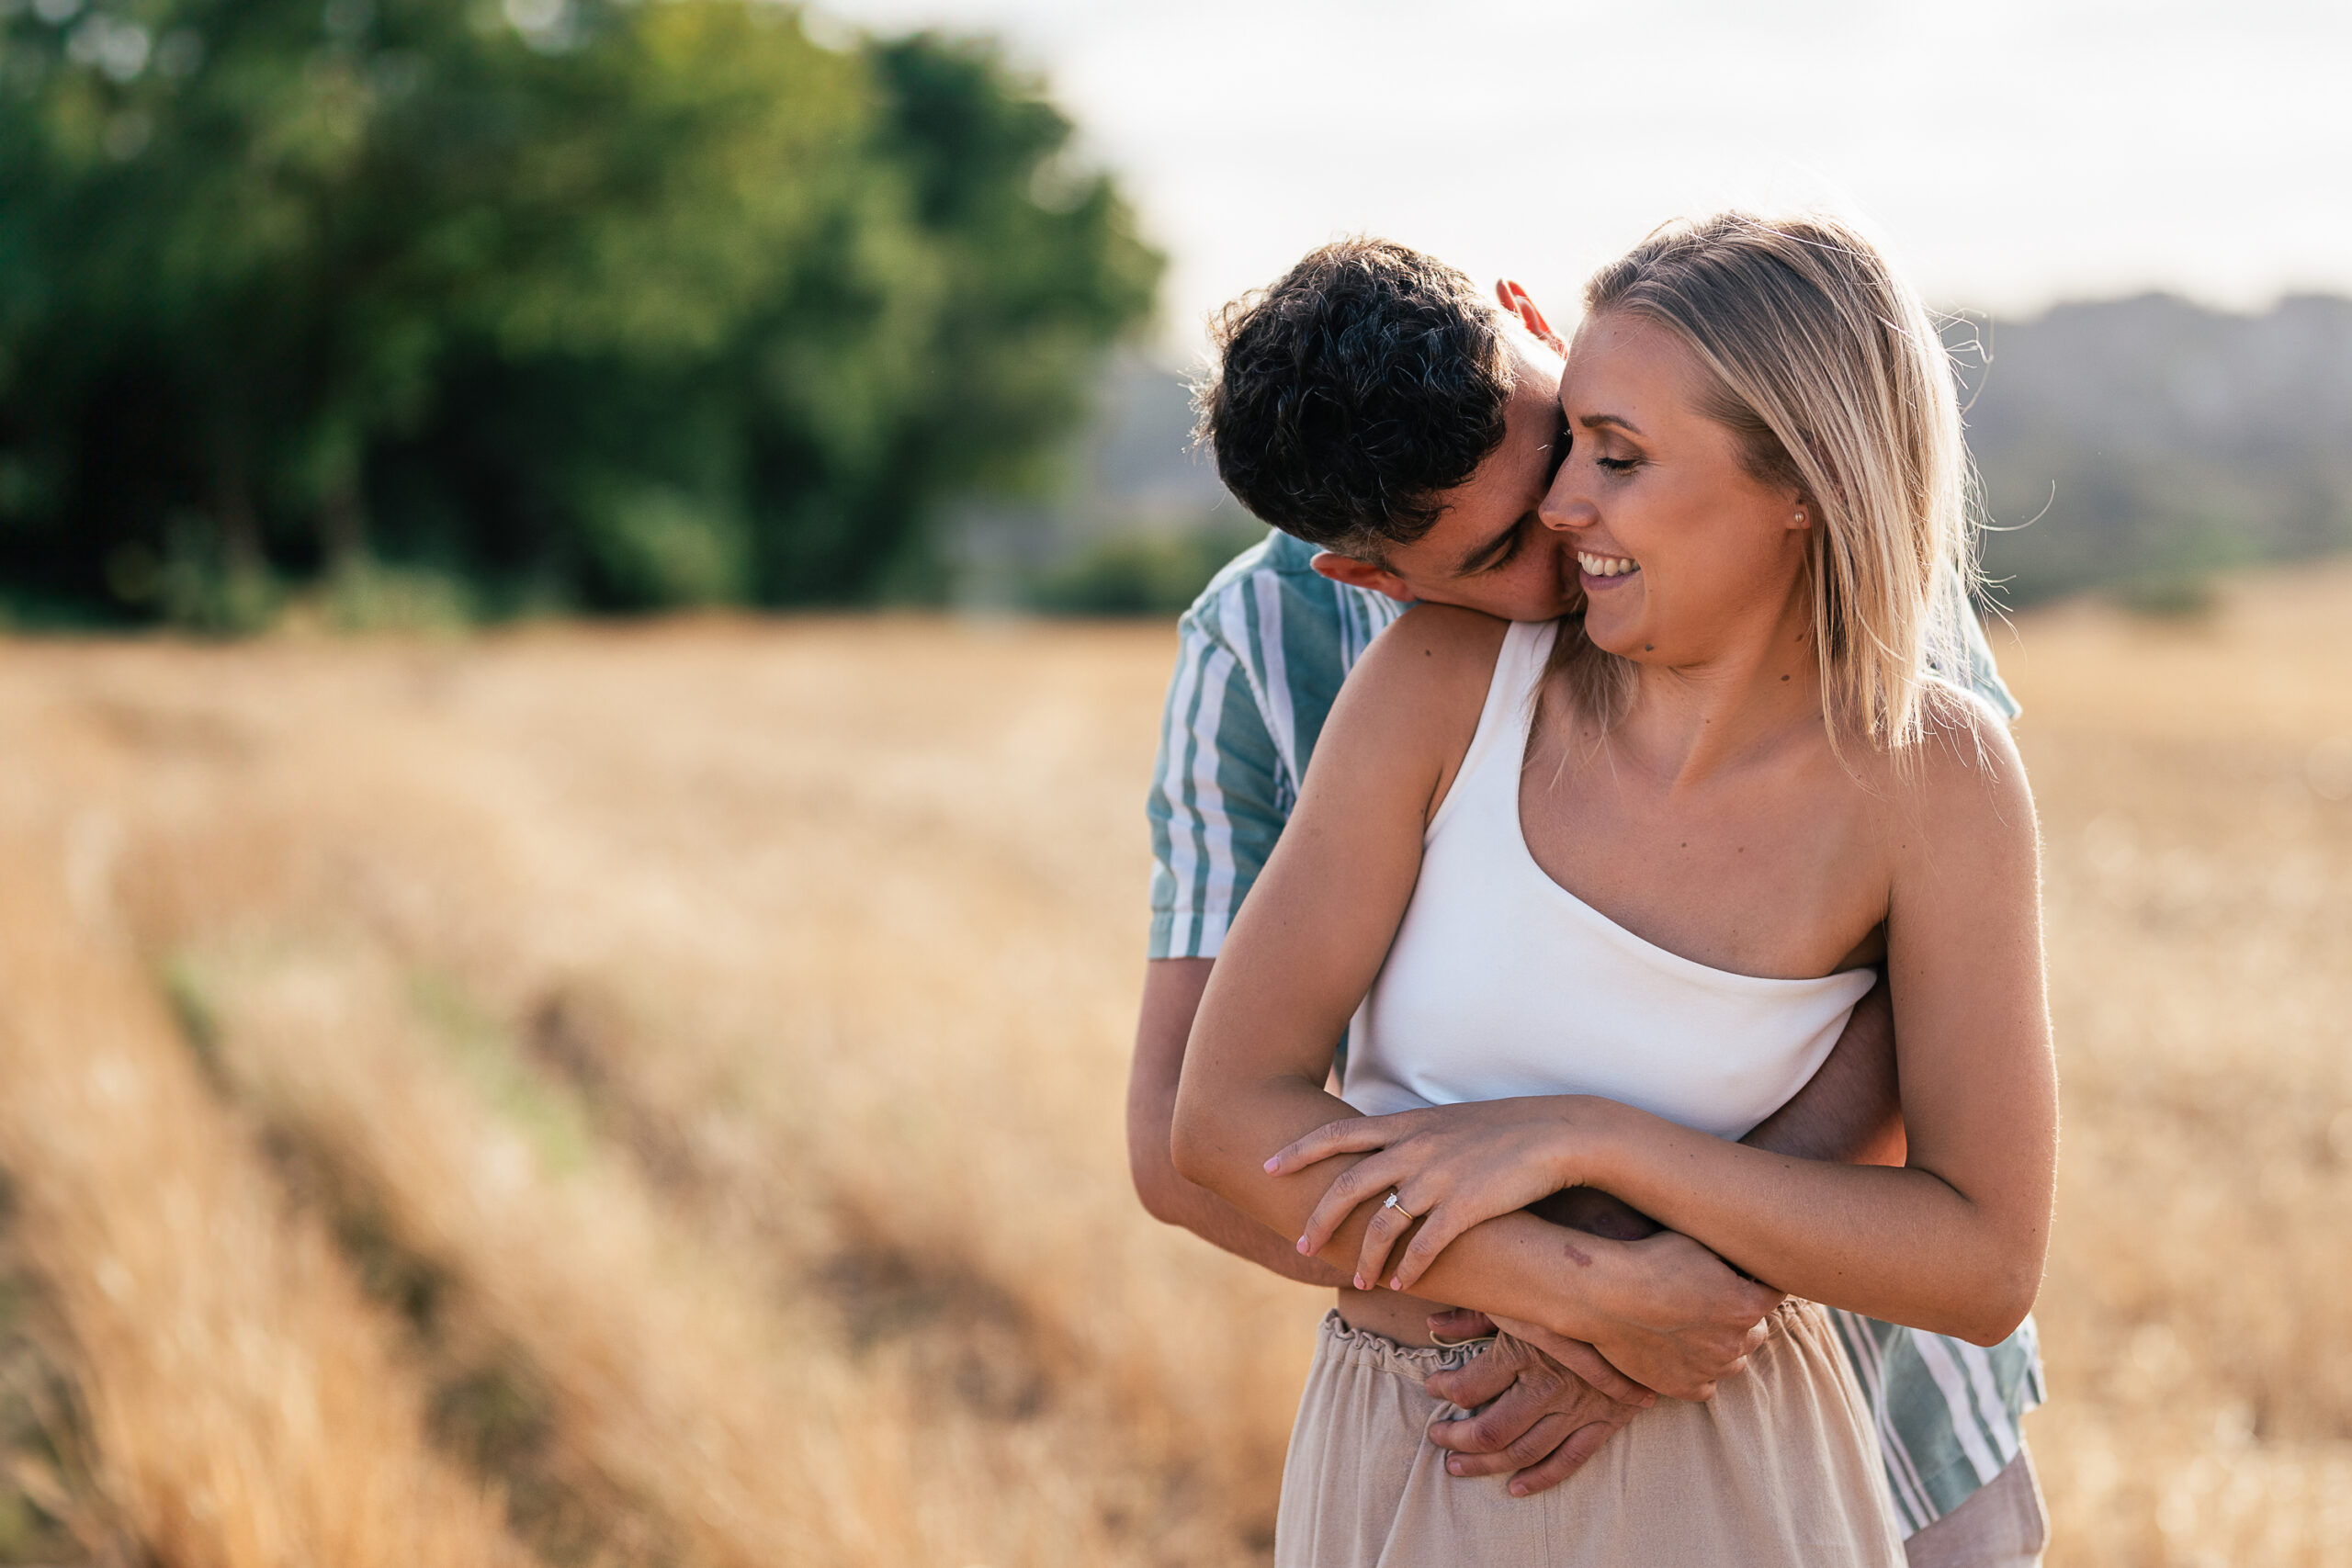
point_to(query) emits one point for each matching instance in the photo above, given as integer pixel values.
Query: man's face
(1488, 551)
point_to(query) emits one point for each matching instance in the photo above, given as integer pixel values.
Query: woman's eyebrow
(1595, 420)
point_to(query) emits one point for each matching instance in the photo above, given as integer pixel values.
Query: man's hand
(1541, 1420)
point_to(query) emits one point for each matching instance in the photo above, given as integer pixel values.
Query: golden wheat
(729, 1020)
(244, 1407)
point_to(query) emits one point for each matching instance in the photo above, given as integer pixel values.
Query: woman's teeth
(1605, 566)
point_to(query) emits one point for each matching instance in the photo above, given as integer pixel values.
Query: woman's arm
(1308, 944)
(1952, 1242)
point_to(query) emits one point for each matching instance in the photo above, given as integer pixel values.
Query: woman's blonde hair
(1835, 381)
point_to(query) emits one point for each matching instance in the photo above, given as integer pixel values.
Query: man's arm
(1850, 1111)
(1171, 995)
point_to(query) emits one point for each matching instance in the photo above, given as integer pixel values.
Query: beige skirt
(1779, 1469)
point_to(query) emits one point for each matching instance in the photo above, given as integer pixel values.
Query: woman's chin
(1617, 635)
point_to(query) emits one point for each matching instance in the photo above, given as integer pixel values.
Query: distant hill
(2145, 439)
(2134, 444)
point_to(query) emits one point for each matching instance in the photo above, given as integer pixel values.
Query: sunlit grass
(689, 1059)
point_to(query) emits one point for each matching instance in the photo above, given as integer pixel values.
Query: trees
(611, 303)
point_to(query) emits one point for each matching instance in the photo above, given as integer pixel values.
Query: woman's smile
(1601, 569)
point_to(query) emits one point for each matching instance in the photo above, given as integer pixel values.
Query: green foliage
(2175, 596)
(622, 303)
(1156, 573)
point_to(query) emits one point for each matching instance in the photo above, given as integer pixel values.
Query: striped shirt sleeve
(1977, 671)
(1958, 650)
(1219, 794)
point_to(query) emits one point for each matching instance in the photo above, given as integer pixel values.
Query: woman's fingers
(1366, 1179)
(1439, 1227)
(1349, 1136)
(1389, 1223)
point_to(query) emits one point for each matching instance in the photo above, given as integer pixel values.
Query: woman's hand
(1680, 1320)
(1450, 1167)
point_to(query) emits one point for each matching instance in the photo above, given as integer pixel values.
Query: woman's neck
(1759, 687)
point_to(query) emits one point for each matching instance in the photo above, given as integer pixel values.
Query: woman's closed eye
(1617, 464)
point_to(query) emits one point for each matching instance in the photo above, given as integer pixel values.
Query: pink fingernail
(1302, 1244)
(1274, 1164)
(1396, 1282)
(1519, 1491)
(1359, 1282)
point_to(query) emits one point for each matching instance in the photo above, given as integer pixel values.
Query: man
(1401, 433)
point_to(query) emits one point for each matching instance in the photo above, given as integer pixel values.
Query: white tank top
(1501, 982)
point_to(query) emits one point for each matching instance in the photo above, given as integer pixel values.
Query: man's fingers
(1529, 1447)
(1593, 1367)
(1476, 1381)
(1582, 1359)
(1706, 1391)
(1508, 1418)
(1459, 1325)
(1564, 1460)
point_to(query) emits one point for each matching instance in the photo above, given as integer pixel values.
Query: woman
(1598, 897)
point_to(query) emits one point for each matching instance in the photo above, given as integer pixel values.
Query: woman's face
(1683, 551)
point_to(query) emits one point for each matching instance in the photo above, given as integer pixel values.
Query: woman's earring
(1800, 517)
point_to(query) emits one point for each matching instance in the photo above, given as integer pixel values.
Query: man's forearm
(1218, 1223)
(1849, 1113)
(1171, 995)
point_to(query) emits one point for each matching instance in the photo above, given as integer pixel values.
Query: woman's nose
(1563, 509)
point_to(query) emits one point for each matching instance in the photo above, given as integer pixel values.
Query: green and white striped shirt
(1261, 656)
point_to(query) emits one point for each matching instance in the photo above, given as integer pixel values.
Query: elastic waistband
(1360, 1346)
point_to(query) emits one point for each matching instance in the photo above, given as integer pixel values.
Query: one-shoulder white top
(1501, 982)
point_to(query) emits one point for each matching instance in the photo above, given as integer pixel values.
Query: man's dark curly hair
(1346, 396)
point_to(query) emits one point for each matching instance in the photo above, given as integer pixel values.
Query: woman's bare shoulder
(1963, 774)
(1418, 690)
(1440, 642)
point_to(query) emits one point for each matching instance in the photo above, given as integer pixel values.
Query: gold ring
(1392, 1203)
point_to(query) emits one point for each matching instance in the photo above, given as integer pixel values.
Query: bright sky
(2013, 152)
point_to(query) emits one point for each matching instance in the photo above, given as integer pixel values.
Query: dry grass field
(651, 1096)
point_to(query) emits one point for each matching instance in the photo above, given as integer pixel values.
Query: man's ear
(1514, 299)
(1357, 573)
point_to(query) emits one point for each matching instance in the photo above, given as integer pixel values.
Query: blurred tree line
(562, 302)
